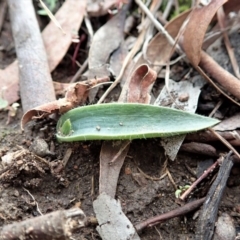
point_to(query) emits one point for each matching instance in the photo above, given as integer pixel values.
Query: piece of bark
(56, 225)
(36, 87)
(207, 219)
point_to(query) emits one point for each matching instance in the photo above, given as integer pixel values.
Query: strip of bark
(207, 219)
(58, 225)
(36, 87)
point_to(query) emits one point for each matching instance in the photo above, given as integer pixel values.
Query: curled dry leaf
(196, 28)
(76, 95)
(70, 16)
(140, 84)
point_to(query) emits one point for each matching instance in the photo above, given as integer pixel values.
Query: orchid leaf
(114, 121)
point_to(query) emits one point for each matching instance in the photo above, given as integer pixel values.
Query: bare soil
(76, 184)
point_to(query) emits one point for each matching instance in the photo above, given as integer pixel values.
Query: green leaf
(114, 121)
(66, 128)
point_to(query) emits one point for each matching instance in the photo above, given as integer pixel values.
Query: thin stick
(157, 24)
(204, 175)
(174, 213)
(171, 179)
(225, 142)
(35, 202)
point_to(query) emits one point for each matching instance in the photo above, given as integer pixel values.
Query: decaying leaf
(112, 156)
(141, 84)
(99, 53)
(196, 28)
(76, 95)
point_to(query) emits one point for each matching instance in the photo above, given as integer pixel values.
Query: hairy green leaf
(127, 121)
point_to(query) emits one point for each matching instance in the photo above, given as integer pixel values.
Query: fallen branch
(58, 225)
(207, 219)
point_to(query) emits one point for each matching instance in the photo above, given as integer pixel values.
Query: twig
(218, 105)
(66, 157)
(201, 71)
(221, 20)
(119, 153)
(171, 179)
(204, 175)
(167, 9)
(222, 76)
(174, 213)
(158, 25)
(199, 148)
(58, 225)
(35, 202)
(152, 178)
(89, 27)
(80, 71)
(225, 142)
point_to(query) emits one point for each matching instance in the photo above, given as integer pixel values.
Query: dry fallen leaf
(141, 84)
(99, 52)
(76, 95)
(196, 28)
(231, 123)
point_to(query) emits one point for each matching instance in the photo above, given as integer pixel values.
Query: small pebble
(225, 228)
(183, 97)
(40, 148)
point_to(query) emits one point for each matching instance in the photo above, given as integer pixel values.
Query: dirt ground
(75, 183)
